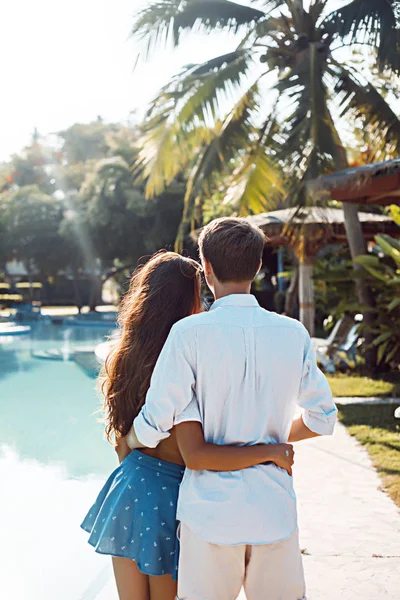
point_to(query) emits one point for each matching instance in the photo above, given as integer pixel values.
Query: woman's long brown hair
(163, 291)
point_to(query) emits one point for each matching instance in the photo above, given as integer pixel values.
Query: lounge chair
(343, 338)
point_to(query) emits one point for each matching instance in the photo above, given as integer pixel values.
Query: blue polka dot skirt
(134, 515)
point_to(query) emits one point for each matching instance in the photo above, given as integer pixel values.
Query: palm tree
(287, 91)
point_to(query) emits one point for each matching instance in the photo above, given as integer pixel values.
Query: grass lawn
(355, 385)
(377, 429)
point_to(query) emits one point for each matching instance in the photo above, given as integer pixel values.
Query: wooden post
(306, 293)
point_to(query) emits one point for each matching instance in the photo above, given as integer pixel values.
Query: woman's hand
(282, 455)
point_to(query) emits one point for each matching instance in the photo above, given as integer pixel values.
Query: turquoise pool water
(47, 406)
(53, 461)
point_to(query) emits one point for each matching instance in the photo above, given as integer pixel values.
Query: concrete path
(366, 400)
(349, 528)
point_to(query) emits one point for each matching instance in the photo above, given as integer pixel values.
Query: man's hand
(283, 456)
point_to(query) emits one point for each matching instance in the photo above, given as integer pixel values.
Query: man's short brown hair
(233, 247)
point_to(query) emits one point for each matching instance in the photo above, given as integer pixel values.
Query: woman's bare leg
(131, 583)
(162, 588)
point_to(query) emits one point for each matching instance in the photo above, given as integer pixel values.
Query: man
(248, 368)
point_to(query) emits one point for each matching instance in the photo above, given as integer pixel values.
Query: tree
(31, 221)
(112, 220)
(384, 269)
(295, 121)
(74, 205)
(122, 224)
(30, 167)
(84, 141)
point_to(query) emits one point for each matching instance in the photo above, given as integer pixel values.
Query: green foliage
(30, 168)
(221, 116)
(82, 142)
(164, 21)
(333, 282)
(395, 213)
(374, 20)
(384, 271)
(179, 124)
(335, 291)
(121, 223)
(77, 207)
(214, 206)
(31, 221)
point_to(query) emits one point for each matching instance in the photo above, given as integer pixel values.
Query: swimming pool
(53, 461)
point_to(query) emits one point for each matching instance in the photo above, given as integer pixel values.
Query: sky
(68, 61)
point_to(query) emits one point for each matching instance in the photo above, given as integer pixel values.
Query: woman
(134, 516)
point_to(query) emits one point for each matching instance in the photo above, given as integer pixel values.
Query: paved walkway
(349, 529)
(368, 400)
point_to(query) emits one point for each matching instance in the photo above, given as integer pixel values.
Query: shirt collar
(236, 300)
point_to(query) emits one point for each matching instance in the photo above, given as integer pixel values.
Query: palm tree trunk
(357, 245)
(353, 228)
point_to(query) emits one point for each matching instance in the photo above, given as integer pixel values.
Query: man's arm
(315, 397)
(171, 390)
(132, 440)
(300, 431)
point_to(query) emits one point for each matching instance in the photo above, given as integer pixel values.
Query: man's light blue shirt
(240, 370)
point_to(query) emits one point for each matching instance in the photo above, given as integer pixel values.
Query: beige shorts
(267, 572)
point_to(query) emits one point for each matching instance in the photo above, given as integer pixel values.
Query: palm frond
(166, 151)
(256, 184)
(177, 123)
(230, 137)
(298, 14)
(164, 21)
(375, 22)
(365, 101)
(269, 4)
(278, 27)
(312, 143)
(200, 88)
(316, 10)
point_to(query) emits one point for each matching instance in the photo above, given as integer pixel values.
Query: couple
(216, 392)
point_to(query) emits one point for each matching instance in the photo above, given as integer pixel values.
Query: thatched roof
(377, 183)
(313, 215)
(319, 226)
(279, 225)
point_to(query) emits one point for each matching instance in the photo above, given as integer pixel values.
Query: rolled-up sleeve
(315, 396)
(171, 390)
(191, 413)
